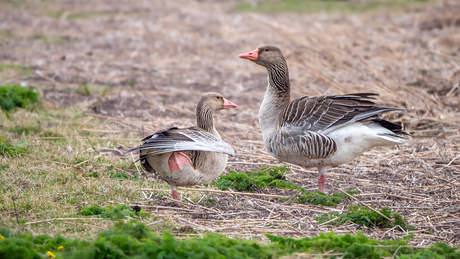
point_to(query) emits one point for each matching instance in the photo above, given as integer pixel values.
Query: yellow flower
(2, 237)
(60, 247)
(51, 254)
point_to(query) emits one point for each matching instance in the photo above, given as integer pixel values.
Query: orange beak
(228, 104)
(252, 55)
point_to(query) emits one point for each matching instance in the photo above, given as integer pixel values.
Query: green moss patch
(321, 198)
(274, 177)
(254, 180)
(13, 96)
(129, 241)
(136, 240)
(366, 217)
(113, 212)
(359, 246)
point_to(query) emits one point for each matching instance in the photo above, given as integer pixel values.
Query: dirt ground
(156, 58)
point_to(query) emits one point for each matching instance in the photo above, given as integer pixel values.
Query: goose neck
(204, 117)
(278, 76)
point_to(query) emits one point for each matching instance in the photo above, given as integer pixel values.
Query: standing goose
(318, 131)
(188, 156)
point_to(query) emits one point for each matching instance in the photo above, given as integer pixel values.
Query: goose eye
(218, 97)
(266, 49)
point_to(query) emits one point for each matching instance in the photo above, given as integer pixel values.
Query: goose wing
(323, 114)
(187, 139)
(306, 121)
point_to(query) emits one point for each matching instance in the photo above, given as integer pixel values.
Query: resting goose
(188, 156)
(318, 131)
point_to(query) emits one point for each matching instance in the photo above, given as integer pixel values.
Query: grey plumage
(188, 156)
(187, 139)
(318, 131)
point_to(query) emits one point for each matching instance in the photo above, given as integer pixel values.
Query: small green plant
(209, 202)
(52, 134)
(366, 217)
(9, 149)
(93, 174)
(132, 82)
(26, 129)
(123, 175)
(83, 90)
(112, 212)
(274, 177)
(13, 96)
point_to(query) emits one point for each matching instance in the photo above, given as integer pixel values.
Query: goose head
(215, 101)
(265, 56)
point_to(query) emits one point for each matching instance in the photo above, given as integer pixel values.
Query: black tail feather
(395, 128)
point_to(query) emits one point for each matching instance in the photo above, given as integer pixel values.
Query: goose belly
(204, 171)
(351, 141)
(356, 139)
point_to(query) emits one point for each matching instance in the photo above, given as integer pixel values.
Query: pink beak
(252, 55)
(228, 104)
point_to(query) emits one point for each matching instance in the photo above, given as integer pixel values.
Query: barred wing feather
(294, 141)
(188, 139)
(324, 114)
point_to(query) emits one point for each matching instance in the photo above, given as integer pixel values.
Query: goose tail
(394, 133)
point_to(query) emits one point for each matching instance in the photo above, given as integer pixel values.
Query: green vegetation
(47, 184)
(13, 96)
(209, 202)
(49, 38)
(274, 177)
(5, 35)
(359, 246)
(123, 175)
(9, 149)
(113, 212)
(320, 198)
(253, 180)
(366, 217)
(128, 241)
(24, 71)
(76, 15)
(25, 129)
(330, 6)
(113, 174)
(93, 90)
(136, 240)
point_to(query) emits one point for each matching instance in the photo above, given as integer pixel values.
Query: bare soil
(157, 57)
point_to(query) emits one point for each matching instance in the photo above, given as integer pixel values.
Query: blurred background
(165, 52)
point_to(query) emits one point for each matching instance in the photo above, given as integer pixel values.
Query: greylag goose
(318, 131)
(188, 156)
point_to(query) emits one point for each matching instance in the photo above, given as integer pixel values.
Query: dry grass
(410, 58)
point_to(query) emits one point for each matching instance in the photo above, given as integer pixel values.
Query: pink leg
(175, 195)
(321, 181)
